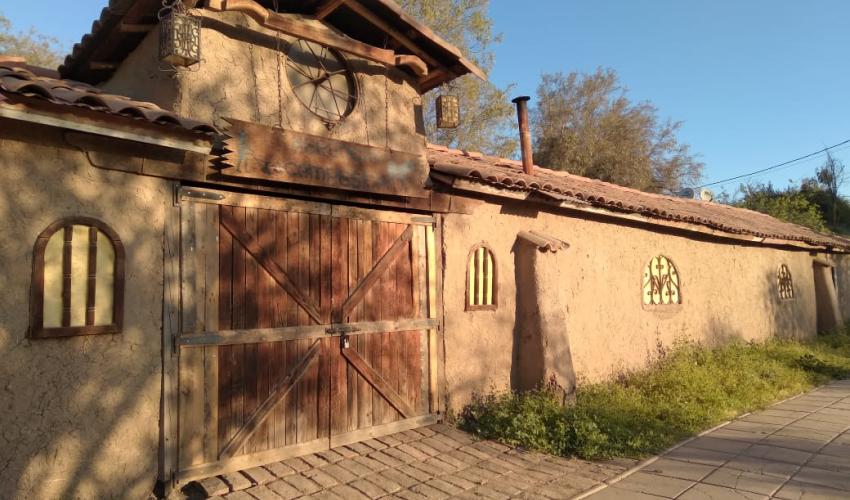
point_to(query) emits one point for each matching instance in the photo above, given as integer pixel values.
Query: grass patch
(684, 393)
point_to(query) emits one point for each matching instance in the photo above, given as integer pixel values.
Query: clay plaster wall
(79, 417)
(246, 79)
(729, 292)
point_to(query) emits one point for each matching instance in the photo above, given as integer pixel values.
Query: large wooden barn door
(304, 326)
(378, 369)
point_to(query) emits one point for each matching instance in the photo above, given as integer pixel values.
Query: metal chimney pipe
(524, 134)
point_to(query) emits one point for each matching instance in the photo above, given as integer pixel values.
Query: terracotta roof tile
(20, 80)
(563, 186)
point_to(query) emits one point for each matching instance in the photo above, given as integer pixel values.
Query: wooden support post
(433, 396)
(170, 330)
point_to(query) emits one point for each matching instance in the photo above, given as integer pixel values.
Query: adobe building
(228, 243)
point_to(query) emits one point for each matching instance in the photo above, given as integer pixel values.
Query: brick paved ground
(433, 462)
(797, 449)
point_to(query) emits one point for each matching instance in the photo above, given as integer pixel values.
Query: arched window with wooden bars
(77, 280)
(481, 279)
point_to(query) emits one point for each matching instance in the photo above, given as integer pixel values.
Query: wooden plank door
(379, 377)
(303, 326)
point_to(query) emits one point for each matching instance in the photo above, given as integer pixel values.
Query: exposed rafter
(382, 25)
(283, 24)
(326, 8)
(359, 27)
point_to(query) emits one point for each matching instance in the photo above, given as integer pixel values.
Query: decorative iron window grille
(786, 284)
(661, 283)
(481, 284)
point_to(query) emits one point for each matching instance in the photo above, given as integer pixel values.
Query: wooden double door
(305, 326)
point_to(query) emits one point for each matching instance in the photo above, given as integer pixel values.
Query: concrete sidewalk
(797, 449)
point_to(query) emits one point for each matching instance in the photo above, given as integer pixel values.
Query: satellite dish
(706, 194)
(685, 193)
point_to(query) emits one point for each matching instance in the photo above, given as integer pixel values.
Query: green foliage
(816, 203)
(791, 205)
(36, 48)
(830, 177)
(487, 116)
(687, 391)
(585, 124)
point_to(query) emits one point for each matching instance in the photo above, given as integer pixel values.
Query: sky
(755, 82)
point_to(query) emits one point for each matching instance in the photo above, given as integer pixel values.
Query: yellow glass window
(481, 279)
(78, 280)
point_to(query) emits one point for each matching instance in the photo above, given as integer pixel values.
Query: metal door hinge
(201, 194)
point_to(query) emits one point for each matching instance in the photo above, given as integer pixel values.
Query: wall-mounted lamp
(448, 111)
(179, 35)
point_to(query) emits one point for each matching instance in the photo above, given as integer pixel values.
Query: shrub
(642, 413)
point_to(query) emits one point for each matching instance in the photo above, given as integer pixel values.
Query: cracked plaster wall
(79, 416)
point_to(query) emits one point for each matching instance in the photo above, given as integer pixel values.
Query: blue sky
(756, 82)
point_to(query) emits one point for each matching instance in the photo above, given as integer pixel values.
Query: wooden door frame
(174, 338)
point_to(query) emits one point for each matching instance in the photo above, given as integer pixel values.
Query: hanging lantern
(448, 111)
(179, 39)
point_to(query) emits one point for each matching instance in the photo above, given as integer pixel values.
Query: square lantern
(180, 40)
(448, 111)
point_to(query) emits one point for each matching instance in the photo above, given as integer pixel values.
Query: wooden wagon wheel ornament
(321, 79)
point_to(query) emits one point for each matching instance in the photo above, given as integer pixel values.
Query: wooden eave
(99, 123)
(109, 42)
(379, 24)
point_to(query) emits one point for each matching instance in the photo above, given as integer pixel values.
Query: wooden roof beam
(99, 66)
(326, 8)
(283, 24)
(135, 28)
(382, 25)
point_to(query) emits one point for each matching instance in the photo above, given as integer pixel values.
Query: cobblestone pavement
(797, 449)
(432, 462)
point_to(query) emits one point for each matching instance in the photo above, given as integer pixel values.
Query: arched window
(786, 284)
(481, 284)
(77, 280)
(661, 283)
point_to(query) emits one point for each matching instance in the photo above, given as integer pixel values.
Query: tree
(585, 124)
(38, 49)
(831, 177)
(486, 118)
(791, 205)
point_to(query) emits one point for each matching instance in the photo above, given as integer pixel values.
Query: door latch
(341, 329)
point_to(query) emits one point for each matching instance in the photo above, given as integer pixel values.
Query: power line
(824, 150)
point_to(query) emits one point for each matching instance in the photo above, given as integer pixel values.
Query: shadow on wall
(541, 351)
(79, 415)
(787, 314)
(527, 356)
